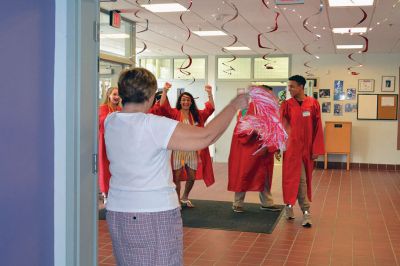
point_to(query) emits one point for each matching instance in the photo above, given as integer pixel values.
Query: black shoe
(272, 208)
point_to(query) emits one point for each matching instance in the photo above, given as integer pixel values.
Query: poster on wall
(351, 94)
(350, 108)
(326, 107)
(324, 93)
(338, 109)
(338, 93)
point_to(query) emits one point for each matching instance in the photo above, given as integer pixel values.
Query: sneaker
(289, 214)
(237, 209)
(272, 208)
(306, 219)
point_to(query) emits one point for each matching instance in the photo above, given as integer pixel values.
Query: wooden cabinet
(337, 140)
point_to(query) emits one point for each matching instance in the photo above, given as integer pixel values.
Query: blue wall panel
(27, 138)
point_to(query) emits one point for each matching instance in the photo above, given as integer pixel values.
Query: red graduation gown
(204, 163)
(248, 172)
(304, 127)
(104, 172)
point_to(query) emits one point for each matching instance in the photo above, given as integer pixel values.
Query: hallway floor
(356, 221)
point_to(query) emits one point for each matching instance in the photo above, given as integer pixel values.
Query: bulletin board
(387, 106)
(367, 107)
(377, 106)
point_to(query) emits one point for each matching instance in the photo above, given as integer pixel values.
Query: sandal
(187, 203)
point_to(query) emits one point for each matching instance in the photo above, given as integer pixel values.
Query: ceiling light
(114, 36)
(349, 46)
(209, 33)
(237, 48)
(350, 30)
(336, 3)
(159, 8)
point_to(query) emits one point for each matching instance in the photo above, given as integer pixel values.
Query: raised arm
(190, 138)
(208, 89)
(166, 88)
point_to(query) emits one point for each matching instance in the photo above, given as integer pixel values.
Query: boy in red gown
(301, 117)
(248, 172)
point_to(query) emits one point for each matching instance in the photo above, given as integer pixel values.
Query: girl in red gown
(111, 104)
(196, 164)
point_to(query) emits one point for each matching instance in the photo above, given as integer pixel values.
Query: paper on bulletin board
(387, 101)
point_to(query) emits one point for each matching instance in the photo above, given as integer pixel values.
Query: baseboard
(359, 166)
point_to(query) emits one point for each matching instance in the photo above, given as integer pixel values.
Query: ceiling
(166, 33)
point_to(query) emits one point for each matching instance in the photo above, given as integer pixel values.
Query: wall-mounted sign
(115, 19)
(288, 2)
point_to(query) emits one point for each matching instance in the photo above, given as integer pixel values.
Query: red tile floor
(356, 221)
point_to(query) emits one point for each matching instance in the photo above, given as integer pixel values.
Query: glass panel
(279, 68)
(241, 66)
(108, 77)
(197, 69)
(116, 41)
(161, 68)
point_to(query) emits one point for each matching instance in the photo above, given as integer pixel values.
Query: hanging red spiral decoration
(260, 35)
(235, 39)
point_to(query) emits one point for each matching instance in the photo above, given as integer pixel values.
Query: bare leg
(191, 174)
(177, 181)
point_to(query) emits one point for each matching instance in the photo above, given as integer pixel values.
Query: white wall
(372, 141)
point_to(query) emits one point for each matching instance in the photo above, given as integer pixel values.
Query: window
(197, 69)
(115, 41)
(240, 68)
(161, 68)
(279, 68)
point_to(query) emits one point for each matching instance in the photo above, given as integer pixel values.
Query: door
(75, 111)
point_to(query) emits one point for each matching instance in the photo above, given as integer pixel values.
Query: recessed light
(114, 36)
(349, 46)
(337, 3)
(350, 30)
(237, 48)
(209, 33)
(160, 8)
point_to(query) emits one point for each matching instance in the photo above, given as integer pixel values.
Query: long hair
(193, 107)
(108, 93)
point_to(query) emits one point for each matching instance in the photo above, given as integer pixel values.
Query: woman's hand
(208, 89)
(167, 86)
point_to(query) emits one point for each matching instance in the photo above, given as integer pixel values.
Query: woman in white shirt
(143, 211)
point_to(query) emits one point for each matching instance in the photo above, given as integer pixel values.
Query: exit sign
(115, 19)
(288, 2)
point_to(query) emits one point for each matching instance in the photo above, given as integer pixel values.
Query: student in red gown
(111, 104)
(301, 117)
(195, 164)
(248, 172)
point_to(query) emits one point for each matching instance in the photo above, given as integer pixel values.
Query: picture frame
(366, 85)
(388, 83)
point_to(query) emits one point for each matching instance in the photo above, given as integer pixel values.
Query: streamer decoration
(235, 39)
(268, 65)
(265, 122)
(359, 64)
(318, 36)
(350, 56)
(144, 30)
(183, 68)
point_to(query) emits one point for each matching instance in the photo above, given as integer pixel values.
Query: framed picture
(324, 93)
(388, 83)
(326, 107)
(366, 85)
